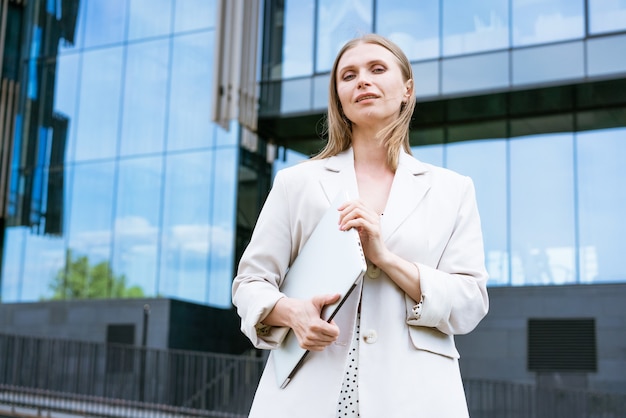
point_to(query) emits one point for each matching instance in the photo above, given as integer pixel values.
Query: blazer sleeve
(262, 267)
(454, 292)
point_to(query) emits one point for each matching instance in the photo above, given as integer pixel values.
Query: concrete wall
(87, 320)
(497, 348)
(171, 323)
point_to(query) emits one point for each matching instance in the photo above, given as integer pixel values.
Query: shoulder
(447, 175)
(301, 171)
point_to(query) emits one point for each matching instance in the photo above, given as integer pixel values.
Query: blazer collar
(410, 184)
(341, 178)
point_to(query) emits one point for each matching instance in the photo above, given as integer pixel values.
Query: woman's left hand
(356, 214)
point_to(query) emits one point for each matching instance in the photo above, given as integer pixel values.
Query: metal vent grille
(560, 345)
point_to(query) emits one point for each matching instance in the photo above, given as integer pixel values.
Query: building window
(562, 345)
(120, 351)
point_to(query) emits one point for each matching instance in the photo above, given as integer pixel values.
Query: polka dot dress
(348, 405)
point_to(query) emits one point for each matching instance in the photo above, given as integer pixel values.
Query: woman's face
(370, 85)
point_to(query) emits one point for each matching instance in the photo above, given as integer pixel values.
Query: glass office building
(120, 185)
(526, 97)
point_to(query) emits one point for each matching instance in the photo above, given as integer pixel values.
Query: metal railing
(183, 379)
(107, 380)
(493, 399)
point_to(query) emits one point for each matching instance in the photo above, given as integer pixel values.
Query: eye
(347, 76)
(378, 69)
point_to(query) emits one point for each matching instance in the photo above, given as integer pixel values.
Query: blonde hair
(339, 129)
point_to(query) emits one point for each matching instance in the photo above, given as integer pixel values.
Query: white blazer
(408, 365)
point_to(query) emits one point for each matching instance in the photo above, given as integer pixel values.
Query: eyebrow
(367, 64)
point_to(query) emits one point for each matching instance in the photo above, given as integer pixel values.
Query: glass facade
(546, 160)
(144, 186)
(456, 46)
(121, 186)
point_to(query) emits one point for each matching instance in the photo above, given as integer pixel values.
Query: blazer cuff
(435, 302)
(260, 335)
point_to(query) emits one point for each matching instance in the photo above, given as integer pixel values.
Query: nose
(363, 80)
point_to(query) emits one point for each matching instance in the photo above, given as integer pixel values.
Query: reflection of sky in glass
(542, 189)
(166, 231)
(105, 22)
(144, 23)
(189, 123)
(339, 22)
(194, 14)
(601, 203)
(475, 25)
(485, 163)
(99, 103)
(137, 219)
(297, 39)
(49, 251)
(537, 21)
(145, 92)
(65, 95)
(475, 72)
(413, 26)
(198, 222)
(431, 154)
(90, 210)
(222, 238)
(606, 15)
(548, 63)
(13, 264)
(542, 210)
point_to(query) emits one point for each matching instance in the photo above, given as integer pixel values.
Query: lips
(365, 96)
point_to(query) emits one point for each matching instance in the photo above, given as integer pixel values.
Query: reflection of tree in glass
(80, 280)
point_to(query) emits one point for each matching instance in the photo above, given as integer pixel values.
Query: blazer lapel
(410, 185)
(341, 178)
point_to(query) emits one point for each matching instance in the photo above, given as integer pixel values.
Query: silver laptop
(331, 261)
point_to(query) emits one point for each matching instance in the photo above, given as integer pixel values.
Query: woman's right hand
(304, 318)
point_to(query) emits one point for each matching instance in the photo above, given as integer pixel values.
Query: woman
(389, 351)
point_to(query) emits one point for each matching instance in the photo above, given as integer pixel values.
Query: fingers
(312, 331)
(322, 300)
(319, 336)
(355, 214)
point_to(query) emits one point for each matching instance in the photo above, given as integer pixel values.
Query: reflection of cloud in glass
(195, 238)
(487, 34)
(96, 244)
(134, 226)
(414, 29)
(549, 28)
(136, 235)
(199, 238)
(416, 48)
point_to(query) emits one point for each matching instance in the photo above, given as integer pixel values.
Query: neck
(371, 155)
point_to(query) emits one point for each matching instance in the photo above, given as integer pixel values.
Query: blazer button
(370, 336)
(373, 271)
